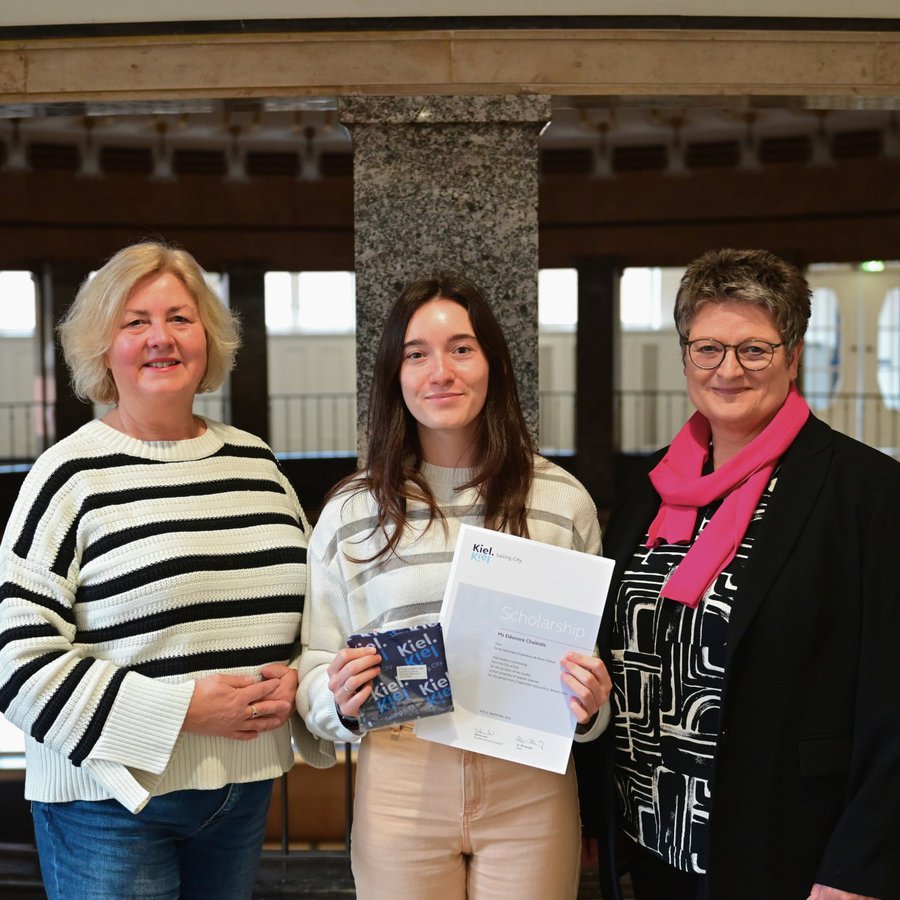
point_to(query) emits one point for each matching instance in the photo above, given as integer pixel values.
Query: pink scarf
(741, 481)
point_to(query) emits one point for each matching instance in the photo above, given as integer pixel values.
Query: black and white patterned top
(668, 672)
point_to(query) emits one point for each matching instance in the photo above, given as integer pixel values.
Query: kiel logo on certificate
(512, 609)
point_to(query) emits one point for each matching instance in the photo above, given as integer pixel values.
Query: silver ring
(254, 712)
(348, 690)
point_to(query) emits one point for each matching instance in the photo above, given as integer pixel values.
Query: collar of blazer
(803, 468)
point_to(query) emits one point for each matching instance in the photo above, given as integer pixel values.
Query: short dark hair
(755, 277)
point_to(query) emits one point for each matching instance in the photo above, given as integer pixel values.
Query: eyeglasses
(752, 354)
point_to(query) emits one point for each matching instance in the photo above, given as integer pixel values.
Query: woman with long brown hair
(447, 445)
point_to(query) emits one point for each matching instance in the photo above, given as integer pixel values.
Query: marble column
(447, 183)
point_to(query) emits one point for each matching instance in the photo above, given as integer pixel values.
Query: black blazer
(807, 778)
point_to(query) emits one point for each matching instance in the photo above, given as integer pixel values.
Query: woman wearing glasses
(751, 628)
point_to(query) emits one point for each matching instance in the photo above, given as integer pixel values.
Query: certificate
(512, 609)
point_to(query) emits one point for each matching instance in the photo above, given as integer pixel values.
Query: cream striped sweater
(127, 570)
(407, 588)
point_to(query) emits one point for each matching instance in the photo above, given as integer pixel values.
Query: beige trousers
(435, 823)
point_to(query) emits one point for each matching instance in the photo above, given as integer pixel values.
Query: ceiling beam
(740, 68)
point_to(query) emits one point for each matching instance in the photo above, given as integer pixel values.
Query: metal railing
(324, 424)
(650, 419)
(21, 430)
(556, 422)
(321, 424)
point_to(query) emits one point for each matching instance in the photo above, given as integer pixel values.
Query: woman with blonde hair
(152, 577)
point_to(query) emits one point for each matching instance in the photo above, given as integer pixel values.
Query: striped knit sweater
(127, 570)
(407, 588)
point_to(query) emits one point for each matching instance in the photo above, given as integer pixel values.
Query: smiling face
(737, 403)
(158, 352)
(444, 381)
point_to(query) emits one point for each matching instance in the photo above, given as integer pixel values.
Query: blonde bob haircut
(89, 326)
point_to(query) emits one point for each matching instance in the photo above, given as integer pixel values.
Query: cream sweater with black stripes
(127, 570)
(407, 588)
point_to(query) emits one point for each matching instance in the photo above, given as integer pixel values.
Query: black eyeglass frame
(735, 347)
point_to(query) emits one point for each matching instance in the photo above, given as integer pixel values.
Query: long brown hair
(505, 450)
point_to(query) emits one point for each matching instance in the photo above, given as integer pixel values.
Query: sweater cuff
(323, 718)
(317, 752)
(597, 727)
(143, 724)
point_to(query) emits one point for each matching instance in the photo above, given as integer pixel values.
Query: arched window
(889, 349)
(640, 299)
(20, 406)
(822, 349)
(17, 305)
(310, 302)
(557, 299)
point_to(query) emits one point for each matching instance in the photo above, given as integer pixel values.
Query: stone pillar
(596, 439)
(63, 411)
(249, 380)
(452, 183)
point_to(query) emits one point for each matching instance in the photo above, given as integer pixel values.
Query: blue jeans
(186, 844)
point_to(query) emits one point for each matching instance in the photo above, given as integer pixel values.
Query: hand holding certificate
(512, 609)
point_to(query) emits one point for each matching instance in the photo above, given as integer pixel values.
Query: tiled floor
(327, 876)
(312, 875)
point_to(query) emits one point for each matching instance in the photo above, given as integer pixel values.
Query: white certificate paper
(512, 609)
